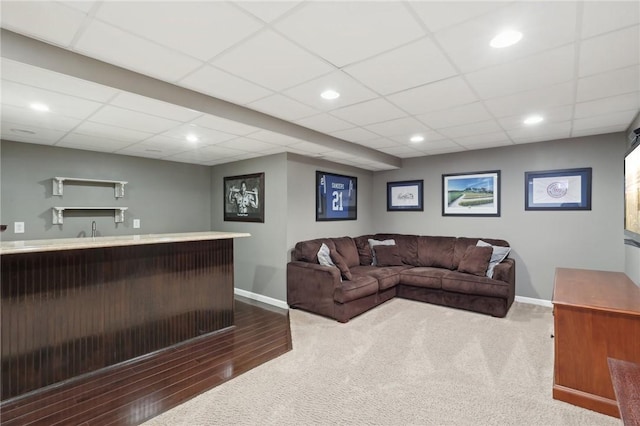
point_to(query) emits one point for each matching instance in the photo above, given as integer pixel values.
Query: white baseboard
(532, 301)
(260, 298)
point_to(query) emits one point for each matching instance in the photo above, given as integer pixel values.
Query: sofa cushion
(364, 251)
(462, 243)
(387, 255)
(423, 276)
(324, 256)
(498, 255)
(460, 282)
(373, 243)
(346, 247)
(355, 289)
(341, 264)
(476, 260)
(436, 251)
(407, 245)
(307, 251)
(387, 276)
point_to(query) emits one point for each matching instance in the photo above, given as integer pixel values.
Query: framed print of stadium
(405, 196)
(244, 198)
(568, 189)
(471, 194)
(336, 197)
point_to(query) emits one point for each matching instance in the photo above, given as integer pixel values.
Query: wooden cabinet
(596, 316)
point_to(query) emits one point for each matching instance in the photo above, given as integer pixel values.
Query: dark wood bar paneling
(72, 312)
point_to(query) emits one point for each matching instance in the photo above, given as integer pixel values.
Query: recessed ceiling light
(533, 119)
(330, 94)
(505, 39)
(417, 138)
(192, 138)
(37, 106)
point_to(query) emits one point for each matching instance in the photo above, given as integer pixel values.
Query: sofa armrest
(311, 286)
(506, 271)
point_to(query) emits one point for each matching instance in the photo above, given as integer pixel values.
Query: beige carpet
(403, 363)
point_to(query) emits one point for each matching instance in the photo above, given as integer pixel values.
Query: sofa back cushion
(462, 243)
(307, 251)
(436, 251)
(346, 247)
(364, 251)
(407, 246)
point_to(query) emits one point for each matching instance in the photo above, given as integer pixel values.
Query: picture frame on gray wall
(471, 194)
(244, 198)
(563, 189)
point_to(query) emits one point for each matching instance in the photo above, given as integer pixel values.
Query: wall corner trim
(260, 298)
(533, 301)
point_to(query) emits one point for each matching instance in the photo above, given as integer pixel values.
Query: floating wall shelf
(58, 184)
(58, 213)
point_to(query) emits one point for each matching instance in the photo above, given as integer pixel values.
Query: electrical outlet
(18, 227)
(136, 223)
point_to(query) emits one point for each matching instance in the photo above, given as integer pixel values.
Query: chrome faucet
(93, 229)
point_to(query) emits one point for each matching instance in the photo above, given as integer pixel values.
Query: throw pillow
(498, 255)
(387, 255)
(475, 260)
(341, 264)
(324, 256)
(373, 243)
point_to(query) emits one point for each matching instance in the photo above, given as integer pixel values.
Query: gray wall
(260, 260)
(541, 240)
(165, 196)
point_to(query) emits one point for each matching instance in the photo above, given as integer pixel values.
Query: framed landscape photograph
(244, 198)
(471, 194)
(405, 196)
(566, 189)
(336, 197)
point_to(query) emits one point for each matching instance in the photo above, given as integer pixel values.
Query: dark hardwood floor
(132, 392)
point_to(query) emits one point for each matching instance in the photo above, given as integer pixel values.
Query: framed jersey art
(336, 197)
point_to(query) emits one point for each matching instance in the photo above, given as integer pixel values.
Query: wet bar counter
(74, 306)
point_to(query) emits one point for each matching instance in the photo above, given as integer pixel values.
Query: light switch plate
(18, 227)
(136, 223)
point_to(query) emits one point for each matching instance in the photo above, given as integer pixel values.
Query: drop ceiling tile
(129, 51)
(409, 66)
(166, 144)
(551, 115)
(274, 138)
(369, 112)
(597, 131)
(485, 141)
(612, 119)
(221, 84)
(402, 151)
(146, 149)
(611, 51)
(20, 132)
(309, 148)
(436, 146)
(247, 144)
(355, 134)
(602, 106)
(544, 25)
(350, 90)
(83, 6)
(205, 136)
(91, 143)
(379, 143)
(609, 83)
(107, 131)
(28, 117)
(223, 125)
(34, 18)
(132, 120)
(429, 136)
(135, 151)
(544, 69)
(532, 101)
(447, 150)
(465, 114)
(603, 16)
(399, 127)
(437, 15)
(49, 80)
(22, 96)
(270, 60)
(436, 96)
(282, 107)
(324, 123)
(268, 11)
(192, 28)
(153, 107)
(480, 128)
(347, 32)
(542, 132)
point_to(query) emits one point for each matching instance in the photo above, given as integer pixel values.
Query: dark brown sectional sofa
(424, 268)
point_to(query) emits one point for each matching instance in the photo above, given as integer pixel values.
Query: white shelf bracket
(119, 215)
(57, 216)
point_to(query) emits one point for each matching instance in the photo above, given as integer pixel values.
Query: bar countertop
(57, 244)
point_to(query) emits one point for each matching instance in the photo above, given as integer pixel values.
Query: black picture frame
(405, 196)
(247, 206)
(336, 197)
(471, 194)
(563, 189)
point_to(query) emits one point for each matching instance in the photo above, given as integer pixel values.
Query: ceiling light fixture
(330, 94)
(505, 39)
(37, 106)
(533, 119)
(417, 138)
(192, 138)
